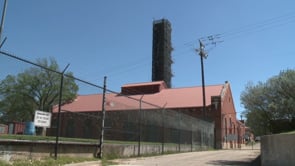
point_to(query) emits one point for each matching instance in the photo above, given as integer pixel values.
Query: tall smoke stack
(162, 48)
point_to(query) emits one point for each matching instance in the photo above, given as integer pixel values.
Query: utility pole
(210, 40)
(203, 55)
(102, 119)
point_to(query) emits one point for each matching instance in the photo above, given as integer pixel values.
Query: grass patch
(4, 163)
(105, 162)
(45, 138)
(290, 132)
(83, 140)
(107, 159)
(65, 139)
(47, 161)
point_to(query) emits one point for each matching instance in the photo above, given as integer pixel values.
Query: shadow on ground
(255, 162)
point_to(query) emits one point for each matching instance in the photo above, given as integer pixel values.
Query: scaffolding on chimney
(162, 48)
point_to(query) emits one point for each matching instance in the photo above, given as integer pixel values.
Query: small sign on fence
(42, 119)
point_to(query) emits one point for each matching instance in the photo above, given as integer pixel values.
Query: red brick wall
(230, 124)
(222, 112)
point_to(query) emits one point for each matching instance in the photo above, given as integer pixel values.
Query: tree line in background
(34, 89)
(270, 106)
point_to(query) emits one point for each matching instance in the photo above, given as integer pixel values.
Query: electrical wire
(229, 35)
(264, 25)
(248, 29)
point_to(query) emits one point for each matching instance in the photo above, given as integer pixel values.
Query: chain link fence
(128, 119)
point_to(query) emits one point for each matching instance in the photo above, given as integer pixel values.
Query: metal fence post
(179, 134)
(163, 127)
(58, 114)
(192, 137)
(139, 125)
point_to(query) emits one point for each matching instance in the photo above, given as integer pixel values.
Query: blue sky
(113, 38)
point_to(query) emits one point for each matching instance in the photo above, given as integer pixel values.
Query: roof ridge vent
(143, 88)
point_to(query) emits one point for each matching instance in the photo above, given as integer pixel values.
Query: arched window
(225, 126)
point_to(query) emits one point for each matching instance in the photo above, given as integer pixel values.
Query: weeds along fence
(81, 109)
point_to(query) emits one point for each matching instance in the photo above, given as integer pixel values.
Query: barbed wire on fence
(130, 120)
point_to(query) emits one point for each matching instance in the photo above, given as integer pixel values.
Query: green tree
(34, 89)
(267, 104)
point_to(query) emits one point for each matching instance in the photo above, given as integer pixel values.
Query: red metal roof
(169, 97)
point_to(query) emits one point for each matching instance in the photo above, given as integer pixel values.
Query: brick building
(228, 133)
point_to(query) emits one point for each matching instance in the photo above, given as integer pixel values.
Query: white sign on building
(42, 119)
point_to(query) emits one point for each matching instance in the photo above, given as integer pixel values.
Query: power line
(250, 28)
(263, 25)
(210, 41)
(214, 40)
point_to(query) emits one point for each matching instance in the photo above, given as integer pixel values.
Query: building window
(225, 130)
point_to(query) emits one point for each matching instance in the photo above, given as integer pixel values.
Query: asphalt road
(243, 157)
